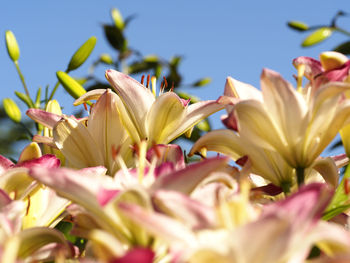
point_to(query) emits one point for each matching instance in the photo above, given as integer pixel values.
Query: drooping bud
(12, 110)
(70, 84)
(332, 60)
(82, 54)
(12, 46)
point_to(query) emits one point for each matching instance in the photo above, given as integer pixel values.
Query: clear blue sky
(217, 38)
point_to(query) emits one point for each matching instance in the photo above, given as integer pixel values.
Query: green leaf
(12, 45)
(186, 96)
(317, 36)
(202, 82)
(341, 200)
(297, 25)
(12, 110)
(115, 37)
(70, 84)
(25, 98)
(106, 58)
(343, 48)
(38, 98)
(82, 54)
(117, 18)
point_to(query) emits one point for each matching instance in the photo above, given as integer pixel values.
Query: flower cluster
(110, 187)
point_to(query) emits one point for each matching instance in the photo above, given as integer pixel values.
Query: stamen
(117, 157)
(142, 79)
(85, 106)
(346, 186)
(28, 205)
(301, 71)
(172, 86)
(165, 82)
(142, 159)
(154, 83)
(148, 76)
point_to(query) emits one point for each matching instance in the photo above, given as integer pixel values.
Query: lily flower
(158, 120)
(298, 135)
(44, 207)
(88, 142)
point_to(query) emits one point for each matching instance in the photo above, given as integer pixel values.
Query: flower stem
(300, 175)
(22, 79)
(286, 187)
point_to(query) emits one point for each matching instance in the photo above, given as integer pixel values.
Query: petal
(194, 114)
(186, 180)
(164, 117)
(5, 164)
(136, 97)
(162, 226)
(90, 95)
(191, 212)
(30, 152)
(76, 143)
(328, 170)
(47, 160)
(279, 98)
(241, 90)
(45, 118)
(166, 153)
(106, 128)
(313, 67)
(136, 255)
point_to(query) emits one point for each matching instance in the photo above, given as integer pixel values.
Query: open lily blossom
(156, 119)
(301, 134)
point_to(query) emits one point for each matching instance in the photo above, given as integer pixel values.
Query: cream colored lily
(89, 142)
(293, 123)
(160, 119)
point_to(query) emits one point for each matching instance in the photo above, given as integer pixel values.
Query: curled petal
(45, 118)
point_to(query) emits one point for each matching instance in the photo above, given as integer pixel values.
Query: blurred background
(203, 39)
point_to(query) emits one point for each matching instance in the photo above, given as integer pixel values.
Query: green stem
(22, 79)
(55, 88)
(300, 175)
(347, 33)
(286, 187)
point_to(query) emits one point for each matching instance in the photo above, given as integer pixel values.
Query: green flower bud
(106, 58)
(12, 110)
(12, 46)
(82, 54)
(70, 84)
(117, 18)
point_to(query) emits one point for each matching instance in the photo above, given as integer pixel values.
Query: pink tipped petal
(307, 205)
(186, 180)
(44, 139)
(340, 160)
(46, 161)
(230, 121)
(106, 195)
(5, 164)
(47, 119)
(158, 224)
(136, 255)
(166, 153)
(338, 74)
(241, 90)
(191, 212)
(313, 67)
(4, 199)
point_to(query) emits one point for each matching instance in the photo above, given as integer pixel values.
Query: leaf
(12, 45)
(38, 98)
(343, 48)
(202, 82)
(297, 25)
(82, 54)
(25, 98)
(317, 36)
(340, 201)
(70, 84)
(115, 37)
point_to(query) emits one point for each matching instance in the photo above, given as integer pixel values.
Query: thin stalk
(300, 172)
(22, 79)
(347, 33)
(56, 87)
(286, 187)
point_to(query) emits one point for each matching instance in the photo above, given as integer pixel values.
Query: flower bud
(12, 110)
(70, 84)
(106, 58)
(30, 152)
(117, 18)
(82, 54)
(332, 60)
(12, 46)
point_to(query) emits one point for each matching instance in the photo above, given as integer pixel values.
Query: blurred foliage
(319, 33)
(125, 59)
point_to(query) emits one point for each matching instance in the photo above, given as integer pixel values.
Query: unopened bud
(117, 18)
(12, 46)
(12, 110)
(70, 84)
(82, 54)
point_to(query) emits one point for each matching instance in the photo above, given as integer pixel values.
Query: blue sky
(217, 38)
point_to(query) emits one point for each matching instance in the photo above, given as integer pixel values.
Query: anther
(148, 77)
(142, 79)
